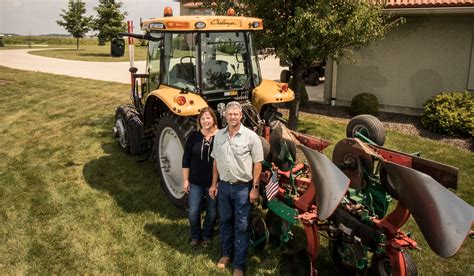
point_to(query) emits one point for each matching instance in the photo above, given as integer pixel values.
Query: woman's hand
(186, 186)
(213, 191)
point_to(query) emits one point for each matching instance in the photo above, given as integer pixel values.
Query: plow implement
(348, 199)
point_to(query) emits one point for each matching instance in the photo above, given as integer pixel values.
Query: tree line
(108, 22)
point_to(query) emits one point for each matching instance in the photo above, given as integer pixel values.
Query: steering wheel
(190, 59)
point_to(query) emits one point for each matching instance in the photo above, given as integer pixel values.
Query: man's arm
(254, 192)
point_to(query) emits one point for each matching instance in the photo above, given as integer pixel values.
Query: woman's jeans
(234, 215)
(196, 197)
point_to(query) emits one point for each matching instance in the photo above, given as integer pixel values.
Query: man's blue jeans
(196, 197)
(234, 214)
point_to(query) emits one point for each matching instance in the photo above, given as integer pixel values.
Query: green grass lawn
(71, 202)
(91, 53)
(88, 48)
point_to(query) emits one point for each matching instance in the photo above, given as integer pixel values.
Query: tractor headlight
(255, 24)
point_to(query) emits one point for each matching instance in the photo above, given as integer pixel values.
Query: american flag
(272, 186)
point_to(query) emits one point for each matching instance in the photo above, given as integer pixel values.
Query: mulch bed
(400, 122)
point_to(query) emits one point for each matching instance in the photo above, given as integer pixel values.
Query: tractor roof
(202, 23)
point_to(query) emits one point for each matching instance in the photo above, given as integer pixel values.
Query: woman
(197, 177)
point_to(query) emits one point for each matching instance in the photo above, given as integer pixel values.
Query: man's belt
(238, 182)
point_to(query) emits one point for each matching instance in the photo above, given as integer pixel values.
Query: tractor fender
(270, 92)
(165, 98)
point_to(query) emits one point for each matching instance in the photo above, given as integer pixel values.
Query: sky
(38, 17)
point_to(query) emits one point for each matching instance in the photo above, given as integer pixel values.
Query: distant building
(190, 7)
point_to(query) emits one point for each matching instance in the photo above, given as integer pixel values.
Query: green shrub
(450, 113)
(365, 103)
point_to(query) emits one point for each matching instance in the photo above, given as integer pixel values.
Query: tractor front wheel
(170, 135)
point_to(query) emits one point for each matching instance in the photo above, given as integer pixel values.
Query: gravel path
(107, 71)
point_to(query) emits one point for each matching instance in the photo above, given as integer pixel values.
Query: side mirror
(117, 47)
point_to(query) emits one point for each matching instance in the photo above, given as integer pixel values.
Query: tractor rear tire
(367, 125)
(170, 136)
(285, 76)
(123, 114)
(381, 265)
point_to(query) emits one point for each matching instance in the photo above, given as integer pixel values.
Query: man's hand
(254, 194)
(213, 191)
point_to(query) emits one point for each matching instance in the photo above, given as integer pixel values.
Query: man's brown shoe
(223, 262)
(238, 272)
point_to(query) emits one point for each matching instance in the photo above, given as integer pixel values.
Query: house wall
(427, 55)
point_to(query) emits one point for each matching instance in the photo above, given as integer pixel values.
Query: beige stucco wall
(426, 55)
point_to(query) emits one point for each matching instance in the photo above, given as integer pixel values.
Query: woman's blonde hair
(211, 112)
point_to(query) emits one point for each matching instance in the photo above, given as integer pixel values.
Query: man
(237, 154)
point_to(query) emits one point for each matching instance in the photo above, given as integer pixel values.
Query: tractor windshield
(224, 61)
(228, 61)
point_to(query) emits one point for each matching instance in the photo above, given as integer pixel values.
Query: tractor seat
(183, 71)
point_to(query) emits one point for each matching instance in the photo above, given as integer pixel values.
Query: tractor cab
(212, 64)
(210, 56)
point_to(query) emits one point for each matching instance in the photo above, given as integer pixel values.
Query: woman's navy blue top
(197, 157)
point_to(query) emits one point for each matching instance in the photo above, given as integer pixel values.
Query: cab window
(180, 61)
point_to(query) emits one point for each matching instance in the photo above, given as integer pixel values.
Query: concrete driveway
(115, 71)
(107, 71)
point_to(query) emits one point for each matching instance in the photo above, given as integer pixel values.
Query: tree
(74, 20)
(110, 20)
(301, 31)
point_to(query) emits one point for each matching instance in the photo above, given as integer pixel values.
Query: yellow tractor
(192, 62)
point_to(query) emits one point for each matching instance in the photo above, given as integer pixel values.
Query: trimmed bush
(365, 103)
(450, 113)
